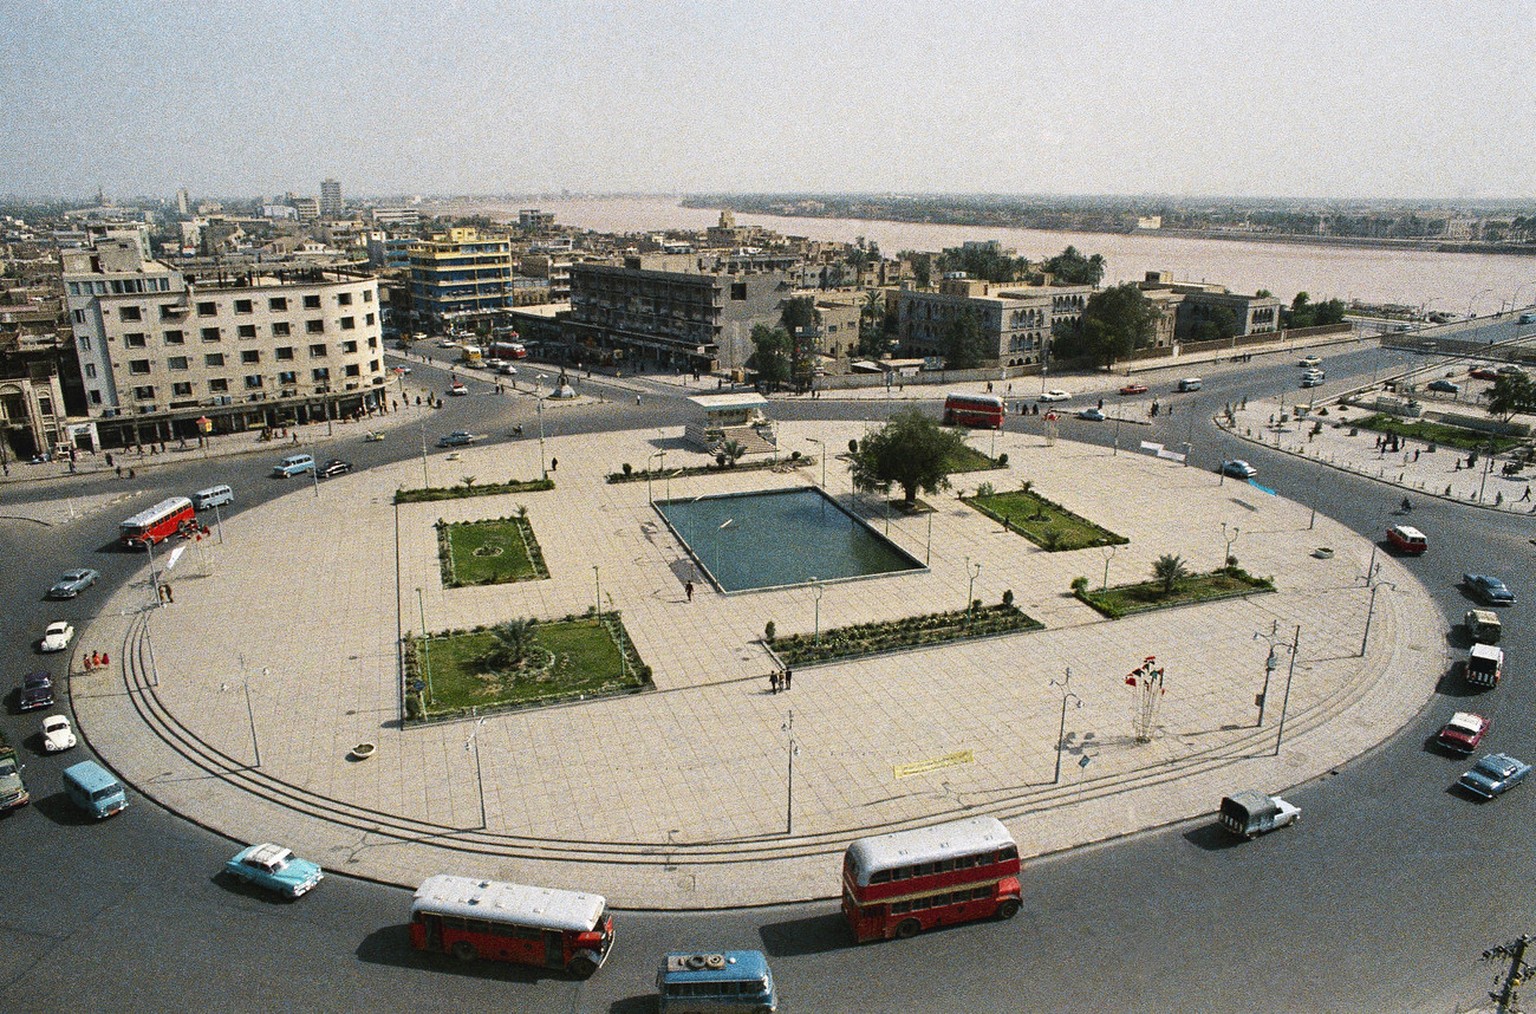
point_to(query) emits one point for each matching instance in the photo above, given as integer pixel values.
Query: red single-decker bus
(979, 411)
(471, 918)
(899, 884)
(157, 523)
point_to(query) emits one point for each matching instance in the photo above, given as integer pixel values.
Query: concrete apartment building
(331, 205)
(161, 349)
(534, 220)
(1016, 318)
(1202, 301)
(460, 277)
(670, 311)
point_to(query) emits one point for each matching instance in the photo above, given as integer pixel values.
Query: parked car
(275, 868)
(57, 636)
(1091, 414)
(458, 390)
(458, 438)
(1508, 370)
(1463, 732)
(1495, 775)
(335, 467)
(507, 370)
(1239, 469)
(36, 692)
(447, 343)
(1308, 361)
(1134, 389)
(57, 735)
(1484, 373)
(73, 582)
(1445, 386)
(1055, 394)
(13, 791)
(1489, 589)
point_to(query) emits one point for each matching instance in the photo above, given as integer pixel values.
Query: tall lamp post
(729, 523)
(1285, 702)
(426, 645)
(970, 586)
(662, 454)
(425, 482)
(1109, 554)
(1474, 299)
(473, 743)
(816, 590)
(597, 583)
(1061, 730)
(1229, 539)
(789, 784)
(823, 446)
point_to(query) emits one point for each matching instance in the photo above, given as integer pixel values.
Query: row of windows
(495, 929)
(285, 353)
(252, 382)
(967, 862)
(941, 900)
(120, 287)
(280, 328)
(749, 987)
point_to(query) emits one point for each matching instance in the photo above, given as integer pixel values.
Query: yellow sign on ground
(949, 760)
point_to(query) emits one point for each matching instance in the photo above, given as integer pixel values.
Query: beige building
(1016, 318)
(160, 350)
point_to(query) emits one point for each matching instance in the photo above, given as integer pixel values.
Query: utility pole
(1507, 996)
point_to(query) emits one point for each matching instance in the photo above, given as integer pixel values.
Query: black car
(458, 438)
(36, 692)
(335, 467)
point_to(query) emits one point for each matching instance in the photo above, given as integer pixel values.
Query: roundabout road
(1383, 898)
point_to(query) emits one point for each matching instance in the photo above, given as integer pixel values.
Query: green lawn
(1043, 522)
(1124, 599)
(895, 635)
(495, 551)
(1437, 433)
(460, 492)
(569, 659)
(969, 459)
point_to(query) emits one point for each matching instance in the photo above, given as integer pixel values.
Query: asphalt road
(1383, 898)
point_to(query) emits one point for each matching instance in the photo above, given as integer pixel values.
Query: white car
(57, 636)
(57, 735)
(1056, 394)
(507, 370)
(458, 390)
(1308, 361)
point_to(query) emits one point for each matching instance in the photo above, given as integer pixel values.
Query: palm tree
(1170, 570)
(513, 639)
(733, 450)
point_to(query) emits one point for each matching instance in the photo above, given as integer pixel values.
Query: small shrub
(769, 631)
(628, 468)
(985, 489)
(720, 460)
(794, 455)
(853, 447)
(1079, 585)
(1008, 597)
(413, 708)
(468, 480)
(1002, 459)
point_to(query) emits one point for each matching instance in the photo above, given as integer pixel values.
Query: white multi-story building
(330, 199)
(161, 350)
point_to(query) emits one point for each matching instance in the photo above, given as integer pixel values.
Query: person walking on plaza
(688, 587)
(1527, 494)
(789, 675)
(773, 682)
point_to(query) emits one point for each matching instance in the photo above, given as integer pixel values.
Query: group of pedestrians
(97, 660)
(778, 681)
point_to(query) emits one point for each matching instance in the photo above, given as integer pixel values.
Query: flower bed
(492, 551)
(658, 474)
(460, 492)
(1125, 599)
(898, 635)
(1044, 522)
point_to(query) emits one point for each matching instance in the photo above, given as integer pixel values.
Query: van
(1483, 626)
(1407, 539)
(1190, 384)
(1250, 813)
(294, 464)
(92, 788)
(1484, 665)
(213, 496)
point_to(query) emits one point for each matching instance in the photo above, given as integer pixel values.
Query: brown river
(1455, 283)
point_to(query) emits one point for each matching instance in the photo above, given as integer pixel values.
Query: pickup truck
(1250, 813)
(12, 792)
(1483, 626)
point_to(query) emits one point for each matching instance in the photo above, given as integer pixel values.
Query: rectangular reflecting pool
(772, 539)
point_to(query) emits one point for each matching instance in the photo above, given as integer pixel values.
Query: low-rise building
(1208, 302)
(1017, 319)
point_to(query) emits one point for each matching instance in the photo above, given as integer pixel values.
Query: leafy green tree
(963, 347)
(1328, 312)
(1512, 393)
(1071, 267)
(771, 355)
(1220, 323)
(1169, 569)
(797, 317)
(922, 266)
(983, 261)
(911, 451)
(514, 638)
(1115, 322)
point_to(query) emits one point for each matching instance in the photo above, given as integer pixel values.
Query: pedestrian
(789, 675)
(418, 401)
(1498, 499)
(109, 459)
(1458, 465)
(1101, 404)
(1416, 454)
(773, 682)
(106, 660)
(130, 473)
(119, 471)
(94, 662)
(637, 399)
(554, 464)
(1527, 494)
(688, 587)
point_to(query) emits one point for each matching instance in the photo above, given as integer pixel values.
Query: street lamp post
(597, 582)
(1229, 540)
(539, 410)
(662, 454)
(425, 482)
(154, 583)
(473, 743)
(970, 586)
(1061, 729)
(1474, 299)
(823, 446)
(1285, 702)
(1109, 554)
(789, 784)
(816, 590)
(426, 645)
(729, 523)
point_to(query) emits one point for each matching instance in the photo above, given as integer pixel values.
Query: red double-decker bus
(157, 523)
(899, 884)
(978, 411)
(471, 918)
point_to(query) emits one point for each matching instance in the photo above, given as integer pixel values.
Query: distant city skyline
(1350, 100)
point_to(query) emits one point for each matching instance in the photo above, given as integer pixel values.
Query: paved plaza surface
(237, 706)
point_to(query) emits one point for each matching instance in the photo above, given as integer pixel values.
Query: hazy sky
(1349, 98)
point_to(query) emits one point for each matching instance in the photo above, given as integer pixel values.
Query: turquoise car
(275, 868)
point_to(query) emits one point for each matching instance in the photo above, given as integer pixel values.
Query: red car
(1485, 373)
(1134, 389)
(1463, 732)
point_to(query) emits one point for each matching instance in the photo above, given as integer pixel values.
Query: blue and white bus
(699, 982)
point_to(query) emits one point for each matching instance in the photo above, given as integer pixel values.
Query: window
(79, 316)
(130, 313)
(210, 334)
(177, 362)
(277, 304)
(214, 359)
(343, 299)
(738, 291)
(144, 393)
(354, 370)
(250, 356)
(208, 309)
(90, 371)
(242, 306)
(321, 374)
(137, 340)
(85, 342)
(218, 385)
(314, 327)
(373, 342)
(138, 366)
(95, 397)
(246, 330)
(348, 323)
(175, 338)
(367, 295)
(280, 329)
(169, 311)
(349, 347)
(368, 319)
(288, 378)
(312, 302)
(252, 381)
(317, 352)
(181, 390)
(284, 352)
